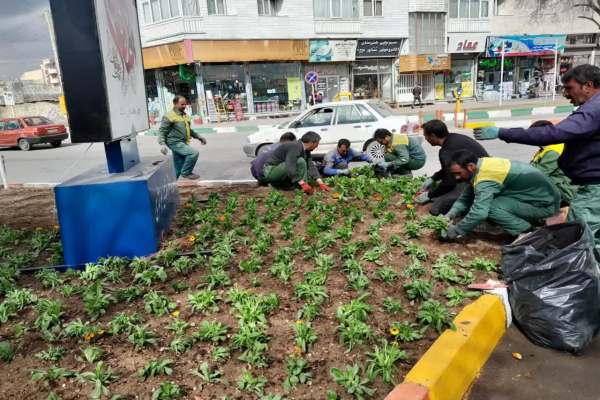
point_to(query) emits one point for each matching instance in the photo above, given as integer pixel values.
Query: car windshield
(381, 108)
(37, 121)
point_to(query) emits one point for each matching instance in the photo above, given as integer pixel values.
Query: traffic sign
(311, 77)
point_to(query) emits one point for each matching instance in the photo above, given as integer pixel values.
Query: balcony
(463, 25)
(337, 26)
(170, 28)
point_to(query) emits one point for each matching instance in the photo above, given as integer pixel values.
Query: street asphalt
(221, 159)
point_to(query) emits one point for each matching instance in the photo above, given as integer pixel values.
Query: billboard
(378, 48)
(526, 45)
(324, 50)
(101, 61)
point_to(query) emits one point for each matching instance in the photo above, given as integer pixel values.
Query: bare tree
(594, 6)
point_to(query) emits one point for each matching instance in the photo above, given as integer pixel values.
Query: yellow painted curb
(482, 124)
(454, 360)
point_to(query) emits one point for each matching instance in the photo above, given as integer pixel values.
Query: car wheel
(58, 143)
(262, 148)
(375, 150)
(24, 145)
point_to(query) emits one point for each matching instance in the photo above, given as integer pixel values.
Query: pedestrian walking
(580, 132)
(417, 92)
(175, 133)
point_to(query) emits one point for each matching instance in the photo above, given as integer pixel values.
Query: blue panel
(123, 215)
(122, 154)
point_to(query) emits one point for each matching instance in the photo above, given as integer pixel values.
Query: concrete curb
(449, 367)
(508, 113)
(204, 183)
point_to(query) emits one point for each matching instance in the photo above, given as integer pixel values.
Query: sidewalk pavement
(541, 374)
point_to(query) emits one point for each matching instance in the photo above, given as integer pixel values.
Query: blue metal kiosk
(122, 209)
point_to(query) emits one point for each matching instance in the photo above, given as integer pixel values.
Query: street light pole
(50, 24)
(502, 74)
(555, 70)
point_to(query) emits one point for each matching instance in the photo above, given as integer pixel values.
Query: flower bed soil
(187, 236)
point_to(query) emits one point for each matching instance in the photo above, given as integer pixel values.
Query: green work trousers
(277, 175)
(585, 208)
(404, 169)
(184, 157)
(516, 216)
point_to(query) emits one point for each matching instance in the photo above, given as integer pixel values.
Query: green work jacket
(176, 127)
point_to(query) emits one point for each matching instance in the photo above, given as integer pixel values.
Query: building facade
(251, 57)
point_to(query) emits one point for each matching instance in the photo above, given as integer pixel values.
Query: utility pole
(48, 18)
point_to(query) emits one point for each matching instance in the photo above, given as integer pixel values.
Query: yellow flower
(39, 229)
(188, 205)
(410, 206)
(221, 218)
(175, 314)
(191, 238)
(297, 350)
(394, 331)
(299, 322)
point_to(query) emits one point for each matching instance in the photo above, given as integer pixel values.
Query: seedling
(141, 337)
(419, 252)
(151, 275)
(7, 351)
(178, 327)
(351, 380)
(437, 223)
(207, 374)
(483, 264)
(457, 296)
(50, 375)
(92, 354)
(382, 362)
(180, 345)
(168, 391)
(432, 313)
(219, 353)
(353, 332)
(185, 265)
(405, 332)
(311, 293)
(158, 304)
(211, 332)
(95, 301)
(155, 368)
(298, 373)
(101, 378)
(204, 301)
(305, 335)
(386, 274)
(308, 312)
(392, 306)
(412, 230)
(414, 269)
(282, 270)
(249, 383)
(418, 289)
(123, 323)
(53, 353)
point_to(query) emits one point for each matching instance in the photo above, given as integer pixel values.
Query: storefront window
(275, 87)
(181, 81)
(227, 85)
(373, 79)
(461, 76)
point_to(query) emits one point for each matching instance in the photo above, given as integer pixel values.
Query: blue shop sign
(526, 45)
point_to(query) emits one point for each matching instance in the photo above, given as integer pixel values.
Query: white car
(355, 120)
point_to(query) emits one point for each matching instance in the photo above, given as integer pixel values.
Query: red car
(24, 132)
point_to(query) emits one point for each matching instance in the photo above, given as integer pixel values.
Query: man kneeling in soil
(291, 165)
(510, 194)
(403, 153)
(337, 161)
(257, 166)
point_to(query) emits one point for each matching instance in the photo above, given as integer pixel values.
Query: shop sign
(381, 48)
(250, 50)
(466, 43)
(374, 68)
(324, 50)
(528, 45)
(294, 85)
(424, 63)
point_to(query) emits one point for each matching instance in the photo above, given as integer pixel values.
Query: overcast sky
(24, 38)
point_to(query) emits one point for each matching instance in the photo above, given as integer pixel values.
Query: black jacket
(453, 143)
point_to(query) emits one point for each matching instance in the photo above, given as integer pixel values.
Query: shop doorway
(329, 86)
(406, 83)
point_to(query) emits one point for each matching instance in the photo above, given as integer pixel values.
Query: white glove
(427, 184)
(164, 150)
(344, 172)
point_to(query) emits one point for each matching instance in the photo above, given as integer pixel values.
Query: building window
(469, 8)
(190, 7)
(427, 34)
(269, 7)
(347, 9)
(373, 8)
(216, 7)
(158, 10)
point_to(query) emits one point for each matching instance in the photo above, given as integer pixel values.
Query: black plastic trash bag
(554, 286)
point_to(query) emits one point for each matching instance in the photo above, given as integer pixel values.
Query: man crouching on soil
(511, 194)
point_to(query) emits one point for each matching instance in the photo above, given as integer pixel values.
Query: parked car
(355, 120)
(25, 132)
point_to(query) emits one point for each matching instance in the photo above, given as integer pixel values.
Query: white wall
(295, 21)
(427, 5)
(517, 17)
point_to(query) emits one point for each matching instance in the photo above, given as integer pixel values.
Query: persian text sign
(380, 48)
(528, 45)
(324, 50)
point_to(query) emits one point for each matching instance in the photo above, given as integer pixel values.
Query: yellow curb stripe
(483, 124)
(454, 360)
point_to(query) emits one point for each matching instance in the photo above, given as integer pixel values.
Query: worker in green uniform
(175, 133)
(510, 194)
(546, 160)
(403, 153)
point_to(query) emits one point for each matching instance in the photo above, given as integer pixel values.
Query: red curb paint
(408, 391)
